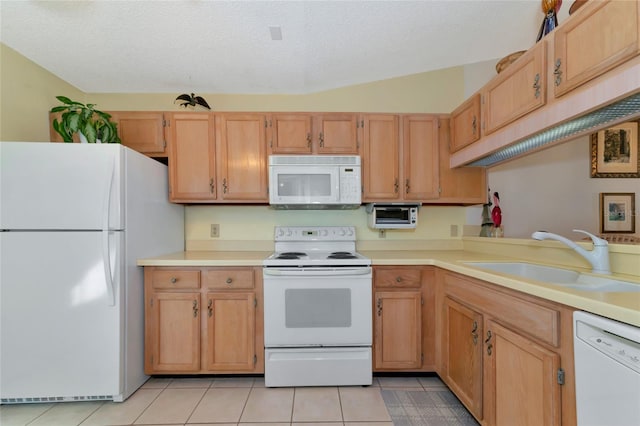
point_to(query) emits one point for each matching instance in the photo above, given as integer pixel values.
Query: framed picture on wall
(614, 152)
(617, 212)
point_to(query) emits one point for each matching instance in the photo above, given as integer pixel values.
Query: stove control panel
(315, 233)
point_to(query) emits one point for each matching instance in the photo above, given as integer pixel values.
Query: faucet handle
(597, 241)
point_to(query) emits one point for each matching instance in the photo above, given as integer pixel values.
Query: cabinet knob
(229, 280)
(398, 279)
(173, 280)
(536, 85)
(557, 72)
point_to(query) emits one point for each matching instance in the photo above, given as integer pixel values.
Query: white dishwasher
(607, 368)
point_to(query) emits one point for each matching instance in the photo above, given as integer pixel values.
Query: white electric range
(317, 309)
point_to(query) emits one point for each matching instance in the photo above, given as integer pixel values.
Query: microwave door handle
(316, 272)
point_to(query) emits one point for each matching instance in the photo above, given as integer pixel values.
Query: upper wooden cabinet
(142, 131)
(601, 35)
(420, 162)
(381, 157)
(242, 158)
(192, 155)
(518, 90)
(462, 185)
(290, 133)
(313, 133)
(395, 168)
(465, 123)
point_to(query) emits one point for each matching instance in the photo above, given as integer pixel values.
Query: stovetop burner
(291, 255)
(342, 255)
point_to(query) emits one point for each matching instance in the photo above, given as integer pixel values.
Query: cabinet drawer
(175, 279)
(398, 278)
(538, 321)
(229, 278)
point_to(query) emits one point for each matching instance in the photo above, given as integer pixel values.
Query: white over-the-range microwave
(315, 181)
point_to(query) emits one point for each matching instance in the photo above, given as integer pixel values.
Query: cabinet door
(191, 157)
(336, 133)
(599, 37)
(230, 334)
(380, 157)
(516, 91)
(420, 162)
(462, 354)
(398, 330)
(520, 380)
(141, 131)
(290, 133)
(462, 185)
(465, 124)
(242, 157)
(172, 333)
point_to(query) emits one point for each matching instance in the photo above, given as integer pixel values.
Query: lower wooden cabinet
(203, 320)
(403, 318)
(506, 355)
(462, 347)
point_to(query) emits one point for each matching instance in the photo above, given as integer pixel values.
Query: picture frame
(617, 213)
(614, 152)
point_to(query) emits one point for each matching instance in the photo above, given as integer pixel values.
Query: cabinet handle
(379, 304)
(474, 333)
(536, 85)
(173, 280)
(490, 346)
(398, 280)
(395, 186)
(211, 185)
(224, 185)
(321, 138)
(210, 308)
(229, 280)
(406, 186)
(474, 124)
(557, 72)
(308, 140)
(195, 308)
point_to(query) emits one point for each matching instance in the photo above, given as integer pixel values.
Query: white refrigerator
(74, 218)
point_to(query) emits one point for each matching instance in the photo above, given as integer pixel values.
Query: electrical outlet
(215, 230)
(454, 230)
(382, 233)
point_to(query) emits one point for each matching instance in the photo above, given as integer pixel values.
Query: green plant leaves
(78, 117)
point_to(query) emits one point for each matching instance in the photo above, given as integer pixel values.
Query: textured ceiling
(204, 46)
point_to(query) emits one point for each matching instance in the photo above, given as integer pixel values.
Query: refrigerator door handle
(106, 210)
(106, 262)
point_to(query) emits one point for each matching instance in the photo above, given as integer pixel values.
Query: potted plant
(90, 123)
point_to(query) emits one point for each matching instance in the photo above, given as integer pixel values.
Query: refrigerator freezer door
(60, 186)
(60, 336)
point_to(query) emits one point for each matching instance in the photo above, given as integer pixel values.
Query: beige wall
(28, 93)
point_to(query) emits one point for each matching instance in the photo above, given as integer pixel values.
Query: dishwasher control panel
(617, 347)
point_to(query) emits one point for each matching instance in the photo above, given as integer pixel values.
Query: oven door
(291, 185)
(322, 306)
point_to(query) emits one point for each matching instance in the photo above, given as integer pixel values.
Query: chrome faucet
(598, 257)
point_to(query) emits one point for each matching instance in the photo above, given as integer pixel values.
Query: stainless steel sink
(559, 276)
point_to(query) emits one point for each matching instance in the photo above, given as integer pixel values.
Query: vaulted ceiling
(207, 46)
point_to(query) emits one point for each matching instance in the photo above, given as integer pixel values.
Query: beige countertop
(623, 307)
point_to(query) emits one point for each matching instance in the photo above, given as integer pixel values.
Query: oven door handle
(316, 272)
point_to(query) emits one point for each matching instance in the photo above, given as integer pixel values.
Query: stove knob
(280, 232)
(343, 232)
(289, 232)
(350, 232)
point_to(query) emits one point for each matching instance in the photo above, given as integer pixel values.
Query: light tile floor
(224, 401)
